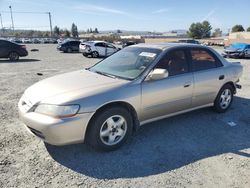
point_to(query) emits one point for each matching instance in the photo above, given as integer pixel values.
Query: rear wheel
(95, 54)
(110, 129)
(224, 99)
(13, 56)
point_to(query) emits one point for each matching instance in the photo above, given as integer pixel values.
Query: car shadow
(164, 145)
(74, 52)
(19, 61)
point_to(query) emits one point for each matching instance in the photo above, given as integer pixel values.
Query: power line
(29, 12)
(18, 12)
(31, 27)
(1, 21)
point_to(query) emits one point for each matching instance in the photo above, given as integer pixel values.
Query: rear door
(75, 45)
(110, 49)
(209, 76)
(172, 94)
(101, 48)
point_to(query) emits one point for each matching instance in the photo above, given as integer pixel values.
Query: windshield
(239, 45)
(128, 63)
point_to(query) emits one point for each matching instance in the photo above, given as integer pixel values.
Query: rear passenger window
(175, 62)
(100, 44)
(202, 60)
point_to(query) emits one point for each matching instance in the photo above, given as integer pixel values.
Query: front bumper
(232, 55)
(23, 53)
(53, 130)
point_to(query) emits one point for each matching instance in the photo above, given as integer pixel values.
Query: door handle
(221, 77)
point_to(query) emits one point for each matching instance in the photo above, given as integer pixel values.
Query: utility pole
(50, 23)
(1, 21)
(11, 18)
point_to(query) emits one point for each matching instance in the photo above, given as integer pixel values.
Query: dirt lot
(197, 149)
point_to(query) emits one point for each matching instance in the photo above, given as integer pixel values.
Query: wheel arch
(16, 51)
(232, 85)
(122, 104)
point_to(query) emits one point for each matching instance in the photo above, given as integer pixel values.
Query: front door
(172, 94)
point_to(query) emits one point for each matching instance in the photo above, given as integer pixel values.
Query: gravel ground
(197, 149)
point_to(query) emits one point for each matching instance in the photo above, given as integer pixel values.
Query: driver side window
(175, 62)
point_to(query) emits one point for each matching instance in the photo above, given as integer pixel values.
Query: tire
(95, 54)
(110, 129)
(224, 99)
(13, 56)
(69, 50)
(242, 56)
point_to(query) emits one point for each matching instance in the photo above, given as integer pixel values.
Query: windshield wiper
(105, 74)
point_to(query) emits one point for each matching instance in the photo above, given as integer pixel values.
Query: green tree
(74, 30)
(56, 31)
(67, 33)
(206, 29)
(248, 29)
(119, 31)
(217, 32)
(96, 30)
(200, 30)
(238, 28)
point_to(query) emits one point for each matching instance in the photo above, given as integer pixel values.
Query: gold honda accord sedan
(102, 105)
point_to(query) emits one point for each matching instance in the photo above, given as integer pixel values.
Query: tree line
(73, 32)
(203, 29)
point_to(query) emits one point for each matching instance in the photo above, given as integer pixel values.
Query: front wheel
(110, 129)
(224, 99)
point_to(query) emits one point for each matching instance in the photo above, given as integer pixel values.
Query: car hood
(66, 87)
(230, 49)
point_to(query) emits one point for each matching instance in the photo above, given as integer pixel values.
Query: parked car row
(32, 40)
(214, 43)
(89, 48)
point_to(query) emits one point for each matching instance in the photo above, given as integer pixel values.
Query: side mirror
(157, 74)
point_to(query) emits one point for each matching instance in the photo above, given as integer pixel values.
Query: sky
(135, 15)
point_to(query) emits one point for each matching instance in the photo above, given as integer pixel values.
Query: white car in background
(97, 48)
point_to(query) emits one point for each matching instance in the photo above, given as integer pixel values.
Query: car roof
(164, 46)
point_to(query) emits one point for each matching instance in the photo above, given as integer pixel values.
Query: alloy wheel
(225, 98)
(113, 130)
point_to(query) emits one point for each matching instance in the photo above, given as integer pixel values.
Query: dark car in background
(12, 50)
(237, 50)
(69, 46)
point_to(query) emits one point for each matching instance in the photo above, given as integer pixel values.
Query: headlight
(57, 111)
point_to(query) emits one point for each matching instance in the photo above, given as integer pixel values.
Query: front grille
(37, 133)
